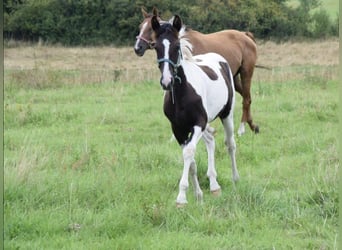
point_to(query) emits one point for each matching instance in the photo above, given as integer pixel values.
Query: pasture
(89, 163)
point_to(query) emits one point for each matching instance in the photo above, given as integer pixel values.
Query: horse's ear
(144, 12)
(155, 11)
(177, 23)
(155, 23)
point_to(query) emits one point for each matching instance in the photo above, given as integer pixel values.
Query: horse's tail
(250, 35)
(262, 67)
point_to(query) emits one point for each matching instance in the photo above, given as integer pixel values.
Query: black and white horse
(198, 90)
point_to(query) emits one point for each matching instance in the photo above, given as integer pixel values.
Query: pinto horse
(238, 48)
(198, 90)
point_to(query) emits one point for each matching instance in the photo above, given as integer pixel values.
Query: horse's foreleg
(228, 125)
(209, 140)
(189, 160)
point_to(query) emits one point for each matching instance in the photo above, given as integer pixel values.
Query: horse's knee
(209, 138)
(230, 144)
(247, 101)
(189, 152)
(193, 169)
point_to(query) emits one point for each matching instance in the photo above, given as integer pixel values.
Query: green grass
(91, 167)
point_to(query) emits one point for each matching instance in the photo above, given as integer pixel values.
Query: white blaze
(140, 35)
(166, 74)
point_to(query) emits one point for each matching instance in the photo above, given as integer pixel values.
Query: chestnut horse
(238, 48)
(198, 90)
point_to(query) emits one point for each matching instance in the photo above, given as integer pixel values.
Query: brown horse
(238, 48)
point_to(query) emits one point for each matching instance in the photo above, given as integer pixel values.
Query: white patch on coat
(213, 92)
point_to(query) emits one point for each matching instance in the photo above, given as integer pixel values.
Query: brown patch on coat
(209, 72)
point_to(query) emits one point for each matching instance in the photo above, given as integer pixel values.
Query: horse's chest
(182, 116)
(186, 112)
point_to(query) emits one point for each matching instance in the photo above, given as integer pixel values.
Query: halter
(175, 67)
(150, 43)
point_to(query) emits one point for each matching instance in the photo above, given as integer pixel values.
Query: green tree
(101, 22)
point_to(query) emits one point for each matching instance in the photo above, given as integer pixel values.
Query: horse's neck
(180, 87)
(181, 75)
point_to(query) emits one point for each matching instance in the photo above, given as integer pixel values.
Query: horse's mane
(186, 46)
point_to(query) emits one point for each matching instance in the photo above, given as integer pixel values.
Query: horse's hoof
(256, 130)
(180, 205)
(216, 192)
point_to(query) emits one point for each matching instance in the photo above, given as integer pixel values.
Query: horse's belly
(217, 98)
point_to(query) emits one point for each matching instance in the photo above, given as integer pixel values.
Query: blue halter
(174, 65)
(175, 71)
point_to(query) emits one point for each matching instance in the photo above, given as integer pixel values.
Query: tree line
(115, 22)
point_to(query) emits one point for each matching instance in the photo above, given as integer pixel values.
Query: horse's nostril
(138, 51)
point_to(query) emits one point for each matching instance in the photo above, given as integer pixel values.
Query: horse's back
(235, 46)
(208, 75)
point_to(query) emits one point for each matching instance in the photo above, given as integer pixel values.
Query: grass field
(89, 163)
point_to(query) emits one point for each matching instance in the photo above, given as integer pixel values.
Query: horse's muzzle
(166, 86)
(139, 51)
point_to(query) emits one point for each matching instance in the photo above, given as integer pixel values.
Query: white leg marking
(189, 159)
(241, 130)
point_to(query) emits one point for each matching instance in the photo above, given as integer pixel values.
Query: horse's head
(144, 39)
(167, 46)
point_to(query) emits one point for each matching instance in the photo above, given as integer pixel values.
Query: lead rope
(172, 94)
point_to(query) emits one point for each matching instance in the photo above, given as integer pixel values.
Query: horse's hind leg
(195, 182)
(208, 136)
(228, 125)
(246, 78)
(237, 84)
